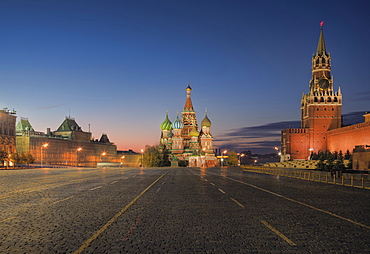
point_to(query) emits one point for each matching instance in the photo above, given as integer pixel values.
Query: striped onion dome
(206, 122)
(194, 133)
(166, 125)
(177, 124)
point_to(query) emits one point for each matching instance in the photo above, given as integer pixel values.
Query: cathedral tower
(189, 118)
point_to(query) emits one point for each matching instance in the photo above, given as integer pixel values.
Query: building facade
(321, 116)
(7, 133)
(69, 145)
(183, 140)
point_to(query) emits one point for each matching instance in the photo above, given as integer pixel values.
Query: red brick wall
(348, 137)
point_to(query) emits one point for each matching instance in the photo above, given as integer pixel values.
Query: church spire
(188, 104)
(321, 48)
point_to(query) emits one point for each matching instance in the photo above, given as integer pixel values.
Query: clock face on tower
(324, 83)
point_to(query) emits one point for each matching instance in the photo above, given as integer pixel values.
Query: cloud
(263, 138)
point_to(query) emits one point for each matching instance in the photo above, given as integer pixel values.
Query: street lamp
(222, 157)
(142, 158)
(45, 145)
(79, 149)
(122, 160)
(102, 154)
(311, 153)
(240, 155)
(279, 153)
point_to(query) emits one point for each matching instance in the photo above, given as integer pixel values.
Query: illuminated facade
(183, 139)
(321, 116)
(7, 131)
(68, 145)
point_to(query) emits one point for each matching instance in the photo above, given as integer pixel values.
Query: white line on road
(213, 184)
(278, 233)
(7, 219)
(96, 188)
(301, 203)
(222, 191)
(113, 182)
(236, 201)
(62, 200)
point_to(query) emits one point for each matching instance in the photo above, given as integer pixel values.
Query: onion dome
(194, 133)
(177, 124)
(166, 125)
(206, 122)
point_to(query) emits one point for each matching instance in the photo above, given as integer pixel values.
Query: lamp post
(103, 154)
(122, 160)
(79, 149)
(311, 153)
(279, 153)
(142, 158)
(45, 145)
(222, 157)
(240, 155)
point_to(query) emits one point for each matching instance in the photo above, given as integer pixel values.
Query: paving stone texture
(186, 210)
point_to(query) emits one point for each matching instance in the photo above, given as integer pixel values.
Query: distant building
(321, 116)
(69, 145)
(129, 158)
(7, 131)
(184, 142)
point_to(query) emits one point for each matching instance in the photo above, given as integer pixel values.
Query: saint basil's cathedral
(182, 140)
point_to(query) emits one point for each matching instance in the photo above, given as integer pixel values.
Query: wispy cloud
(263, 138)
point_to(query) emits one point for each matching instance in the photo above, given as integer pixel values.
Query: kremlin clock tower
(321, 110)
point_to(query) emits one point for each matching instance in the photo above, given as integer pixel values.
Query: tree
(3, 157)
(16, 158)
(347, 156)
(232, 160)
(152, 157)
(28, 158)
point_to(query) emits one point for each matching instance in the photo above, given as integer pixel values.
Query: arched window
(323, 60)
(316, 100)
(322, 99)
(329, 99)
(335, 99)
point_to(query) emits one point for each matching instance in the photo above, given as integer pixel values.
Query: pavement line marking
(222, 191)
(113, 182)
(7, 219)
(304, 204)
(205, 180)
(115, 217)
(236, 201)
(96, 188)
(278, 233)
(213, 184)
(62, 200)
(158, 189)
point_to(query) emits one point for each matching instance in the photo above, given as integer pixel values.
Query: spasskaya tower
(321, 110)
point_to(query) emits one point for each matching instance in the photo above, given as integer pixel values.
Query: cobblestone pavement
(178, 210)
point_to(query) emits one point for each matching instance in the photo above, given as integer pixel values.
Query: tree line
(16, 158)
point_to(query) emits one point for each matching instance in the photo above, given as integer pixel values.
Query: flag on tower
(322, 23)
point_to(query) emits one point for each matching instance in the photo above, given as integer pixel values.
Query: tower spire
(321, 48)
(188, 104)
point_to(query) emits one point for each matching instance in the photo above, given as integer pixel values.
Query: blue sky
(118, 65)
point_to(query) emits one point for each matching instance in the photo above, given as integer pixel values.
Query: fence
(316, 176)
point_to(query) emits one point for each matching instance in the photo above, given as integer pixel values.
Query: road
(178, 210)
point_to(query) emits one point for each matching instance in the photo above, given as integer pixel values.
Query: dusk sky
(119, 65)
